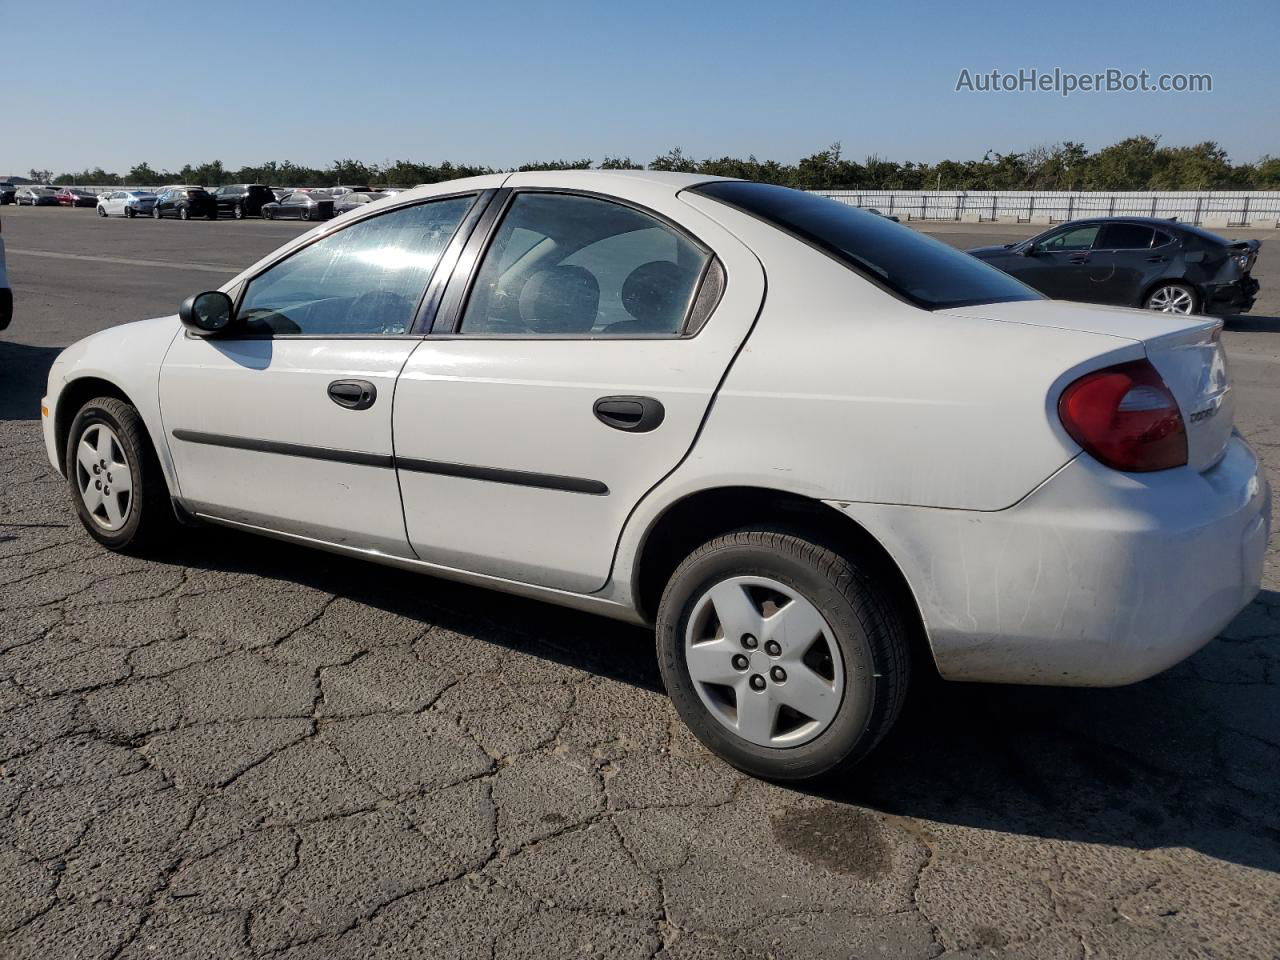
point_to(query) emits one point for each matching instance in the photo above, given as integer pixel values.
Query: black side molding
(521, 478)
(286, 449)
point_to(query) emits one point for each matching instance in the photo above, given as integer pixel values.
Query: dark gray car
(1134, 262)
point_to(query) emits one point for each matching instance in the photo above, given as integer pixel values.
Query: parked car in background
(6, 293)
(337, 192)
(7, 192)
(125, 203)
(36, 197)
(300, 205)
(185, 204)
(353, 201)
(887, 216)
(242, 200)
(76, 197)
(593, 396)
(1135, 262)
(280, 192)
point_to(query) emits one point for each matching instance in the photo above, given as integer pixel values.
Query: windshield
(909, 264)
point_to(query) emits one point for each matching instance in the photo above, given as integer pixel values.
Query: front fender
(128, 358)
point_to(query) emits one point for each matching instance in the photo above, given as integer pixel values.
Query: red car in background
(75, 197)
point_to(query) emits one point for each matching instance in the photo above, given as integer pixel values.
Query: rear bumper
(1098, 578)
(1230, 298)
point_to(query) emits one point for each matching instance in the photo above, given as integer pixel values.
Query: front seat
(649, 294)
(563, 299)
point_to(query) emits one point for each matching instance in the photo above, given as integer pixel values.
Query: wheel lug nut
(97, 484)
(778, 674)
(96, 468)
(756, 681)
(749, 641)
(772, 649)
(740, 662)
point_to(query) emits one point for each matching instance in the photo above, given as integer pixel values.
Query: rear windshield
(907, 263)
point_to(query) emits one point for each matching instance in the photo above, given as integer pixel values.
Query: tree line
(1135, 163)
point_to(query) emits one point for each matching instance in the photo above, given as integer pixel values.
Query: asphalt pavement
(243, 749)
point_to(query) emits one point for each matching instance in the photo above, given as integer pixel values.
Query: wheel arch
(72, 397)
(699, 516)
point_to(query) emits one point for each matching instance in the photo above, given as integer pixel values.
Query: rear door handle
(632, 414)
(353, 394)
(1157, 259)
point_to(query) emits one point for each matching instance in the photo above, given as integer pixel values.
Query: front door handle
(632, 414)
(1079, 258)
(353, 394)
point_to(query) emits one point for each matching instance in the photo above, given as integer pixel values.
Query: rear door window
(1125, 236)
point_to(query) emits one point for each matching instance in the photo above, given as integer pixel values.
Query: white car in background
(126, 203)
(810, 445)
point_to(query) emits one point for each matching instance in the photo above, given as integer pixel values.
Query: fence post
(1153, 206)
(1245, 214)
(959, 200)
(1071, 205)
(891, 204)
(1112, 212)
(1199, 200)
(1031, 207)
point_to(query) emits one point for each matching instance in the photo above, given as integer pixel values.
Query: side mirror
(207, 314)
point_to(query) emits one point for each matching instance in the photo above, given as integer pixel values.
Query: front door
(1058, 265)
(573, 376)
(286, 424)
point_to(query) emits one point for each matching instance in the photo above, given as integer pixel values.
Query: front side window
(364, 280)
(1073, 238)
(565, 265)
(911, 265)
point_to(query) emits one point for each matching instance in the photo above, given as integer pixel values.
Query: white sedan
(126, 203)
(814, 448)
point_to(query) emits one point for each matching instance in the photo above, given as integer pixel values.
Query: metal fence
(1210, 208)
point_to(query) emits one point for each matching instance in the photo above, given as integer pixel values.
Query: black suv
(243, 199)
(185, 203)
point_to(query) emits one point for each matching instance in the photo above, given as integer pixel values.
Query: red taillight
(1125, 417)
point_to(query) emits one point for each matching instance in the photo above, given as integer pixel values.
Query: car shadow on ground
(1249, 323)
(1187, 759)
(24, 372)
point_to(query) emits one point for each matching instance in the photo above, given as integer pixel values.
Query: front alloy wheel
(114, 476)
(184, 214)
(1172, 298)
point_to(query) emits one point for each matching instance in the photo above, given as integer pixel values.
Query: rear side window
(1125, 236)
(909, 264)
(562, 265)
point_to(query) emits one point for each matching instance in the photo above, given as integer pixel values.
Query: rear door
(286, 425)
(1121, 260)
(566, 374)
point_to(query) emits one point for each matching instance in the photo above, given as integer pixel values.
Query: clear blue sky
(504, 83)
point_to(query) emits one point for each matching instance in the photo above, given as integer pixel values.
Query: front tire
(115, 478)
(101, 212)
(184, 214)
(783, 656)
(130, 213)
(238, 213)
(155, 213)
(1172, 298)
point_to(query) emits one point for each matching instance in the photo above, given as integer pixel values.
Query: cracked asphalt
(242, 749)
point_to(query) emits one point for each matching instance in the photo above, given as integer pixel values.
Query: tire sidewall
(852, 723)
(1191, 291)
(89, 415)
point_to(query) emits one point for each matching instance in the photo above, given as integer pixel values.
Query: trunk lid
(1186, 350)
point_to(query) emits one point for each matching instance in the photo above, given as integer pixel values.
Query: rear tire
(306, 213)
(1172, 297)
(110, 431)
(268, 213)
(854, 669)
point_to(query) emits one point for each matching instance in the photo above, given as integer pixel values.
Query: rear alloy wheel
(306, 213)
(268, 213)
(115, 478)
(1172, 298)
(783, 656)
